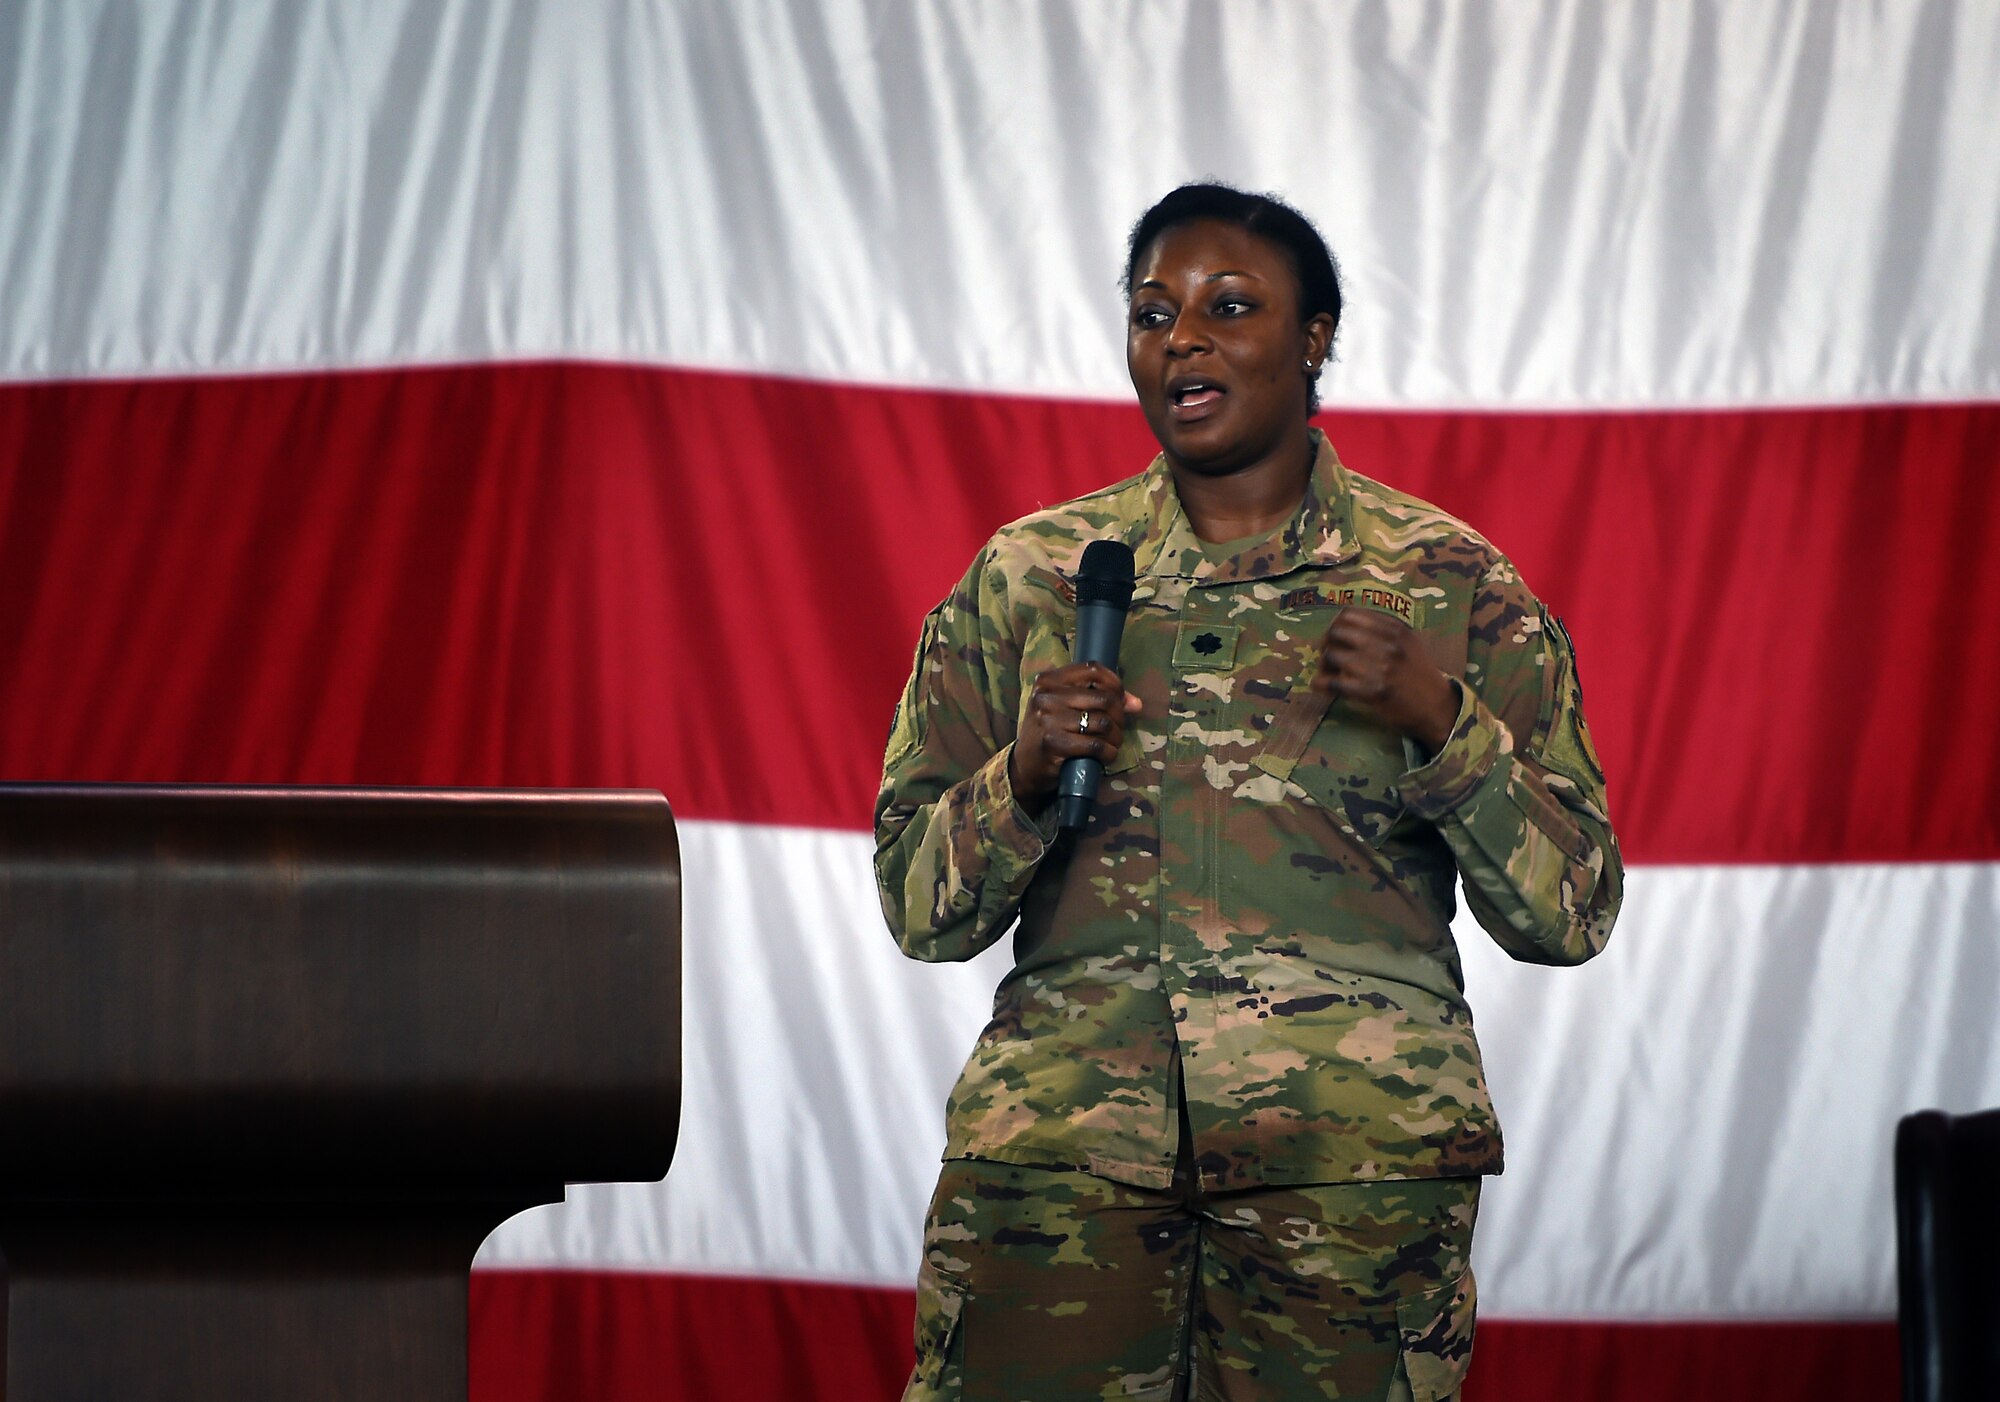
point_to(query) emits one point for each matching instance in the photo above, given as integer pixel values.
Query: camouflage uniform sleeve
(1527, 822)
(953, 850)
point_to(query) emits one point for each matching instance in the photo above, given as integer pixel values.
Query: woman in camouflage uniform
(1224, 1133)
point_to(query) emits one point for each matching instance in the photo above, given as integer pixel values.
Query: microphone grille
(1105, 576)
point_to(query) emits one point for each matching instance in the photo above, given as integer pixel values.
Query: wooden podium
(273, 1063)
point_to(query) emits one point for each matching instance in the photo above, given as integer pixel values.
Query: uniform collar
(1321, 532)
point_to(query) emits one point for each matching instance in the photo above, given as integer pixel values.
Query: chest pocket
(1347, 765)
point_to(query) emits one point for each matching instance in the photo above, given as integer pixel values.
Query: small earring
(1310, 367)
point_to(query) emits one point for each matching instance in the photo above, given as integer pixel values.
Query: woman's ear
(1319, 338)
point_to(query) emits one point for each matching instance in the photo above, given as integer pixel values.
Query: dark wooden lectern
(273, 1062)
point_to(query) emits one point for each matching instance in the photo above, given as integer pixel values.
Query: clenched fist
(1376, 664)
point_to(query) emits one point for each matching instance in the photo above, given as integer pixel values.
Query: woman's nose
(1186, 335)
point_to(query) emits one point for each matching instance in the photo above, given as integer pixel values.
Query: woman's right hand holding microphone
(1076, 711)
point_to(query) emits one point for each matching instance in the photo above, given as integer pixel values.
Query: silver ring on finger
(1083, 722)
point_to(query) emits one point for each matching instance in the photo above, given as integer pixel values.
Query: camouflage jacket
(1257, 915)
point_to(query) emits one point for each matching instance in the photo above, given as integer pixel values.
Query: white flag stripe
(1698, 1125)
(1554, 203)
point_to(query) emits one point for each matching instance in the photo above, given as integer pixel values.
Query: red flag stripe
(543, 1334)
(710, 584)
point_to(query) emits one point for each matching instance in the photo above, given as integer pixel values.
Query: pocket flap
(1437, 1339)
(1300, 716)
(940, 1305)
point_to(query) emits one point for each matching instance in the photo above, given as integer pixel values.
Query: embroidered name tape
(1375, 596)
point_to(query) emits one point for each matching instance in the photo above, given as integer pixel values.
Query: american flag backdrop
(584, 393)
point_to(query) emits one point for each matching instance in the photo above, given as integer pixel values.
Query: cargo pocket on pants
(1437, 1339)
(940, 1349)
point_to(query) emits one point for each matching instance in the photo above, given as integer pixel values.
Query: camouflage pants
(1046, 1285)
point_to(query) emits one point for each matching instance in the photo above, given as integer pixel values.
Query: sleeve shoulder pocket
(906, 731)
(1562, 740)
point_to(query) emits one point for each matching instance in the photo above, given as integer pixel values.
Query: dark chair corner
(1947, 1240)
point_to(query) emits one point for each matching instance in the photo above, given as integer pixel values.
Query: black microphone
(1103, 593)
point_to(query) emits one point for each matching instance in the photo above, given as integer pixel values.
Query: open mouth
(1193, 396)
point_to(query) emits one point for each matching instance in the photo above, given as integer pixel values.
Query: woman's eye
(1149, 317)
(1233, 306)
